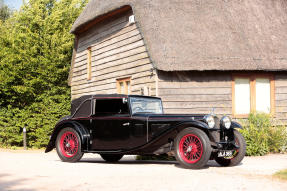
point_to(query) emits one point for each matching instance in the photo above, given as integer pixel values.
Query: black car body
(117, 125)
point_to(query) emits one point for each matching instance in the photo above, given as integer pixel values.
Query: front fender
(235, 125)
(197, 124)
(83, 132)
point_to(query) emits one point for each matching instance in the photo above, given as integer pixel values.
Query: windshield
(146, 105)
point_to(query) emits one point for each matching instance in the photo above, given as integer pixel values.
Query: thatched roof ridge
(206, 34)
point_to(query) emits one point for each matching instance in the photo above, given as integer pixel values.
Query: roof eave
(76, 29)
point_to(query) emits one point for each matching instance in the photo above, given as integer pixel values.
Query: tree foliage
(35, 55)
(5, 11)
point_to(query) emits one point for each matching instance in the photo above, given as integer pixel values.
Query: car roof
(109, 96)
(76, 103)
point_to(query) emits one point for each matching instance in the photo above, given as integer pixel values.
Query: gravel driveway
(35, 170)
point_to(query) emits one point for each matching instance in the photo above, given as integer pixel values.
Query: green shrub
(263, 135)
(278, 139)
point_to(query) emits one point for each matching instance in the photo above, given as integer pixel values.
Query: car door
(110, 125)
(138, 130)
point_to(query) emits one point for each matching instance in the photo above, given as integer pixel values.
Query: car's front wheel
(111, 157)
(192, 148)
(237, 155)
(68, 145)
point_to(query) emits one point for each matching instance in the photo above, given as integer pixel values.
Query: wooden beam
(272, 94)
(76, 41)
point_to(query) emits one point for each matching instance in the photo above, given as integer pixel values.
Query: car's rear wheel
(192, 148)
(238, 154)
(68, 145)
(111, 157)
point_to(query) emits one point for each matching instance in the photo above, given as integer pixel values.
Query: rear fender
(83, 132)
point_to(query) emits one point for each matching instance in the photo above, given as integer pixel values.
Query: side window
(111, 107)
(84, 110)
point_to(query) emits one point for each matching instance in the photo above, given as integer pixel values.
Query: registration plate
(225, 153)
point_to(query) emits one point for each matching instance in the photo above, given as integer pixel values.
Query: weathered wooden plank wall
(199, 92)
(281, 97)
(118, 51)
(196, 92)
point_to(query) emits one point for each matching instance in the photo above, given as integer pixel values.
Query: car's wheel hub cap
(192, 148)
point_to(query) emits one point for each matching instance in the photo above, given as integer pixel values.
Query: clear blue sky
(14, 4)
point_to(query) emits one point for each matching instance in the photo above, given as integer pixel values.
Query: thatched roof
(206, 34)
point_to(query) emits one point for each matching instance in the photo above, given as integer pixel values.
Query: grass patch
(281, 174)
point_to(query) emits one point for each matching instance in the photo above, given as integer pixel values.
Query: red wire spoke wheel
(190, 148)
(69, 144)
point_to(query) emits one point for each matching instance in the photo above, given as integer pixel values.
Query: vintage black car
(117, 125)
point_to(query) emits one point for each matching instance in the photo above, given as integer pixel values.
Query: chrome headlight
(209, 119)
(226, 122)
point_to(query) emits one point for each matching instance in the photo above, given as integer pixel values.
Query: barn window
(242, 95)
(252, 93)
(89, 64)
(124, 86)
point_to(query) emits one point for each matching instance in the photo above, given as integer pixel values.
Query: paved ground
(34, 170)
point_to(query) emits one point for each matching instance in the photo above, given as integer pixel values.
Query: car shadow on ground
(130, 162)
(210, 163)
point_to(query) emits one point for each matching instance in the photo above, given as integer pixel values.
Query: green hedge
(39, 119)
(35, 54)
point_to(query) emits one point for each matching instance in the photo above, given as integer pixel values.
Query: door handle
(126, 124)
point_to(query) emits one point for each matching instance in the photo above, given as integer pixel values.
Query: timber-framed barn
(194, 54)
